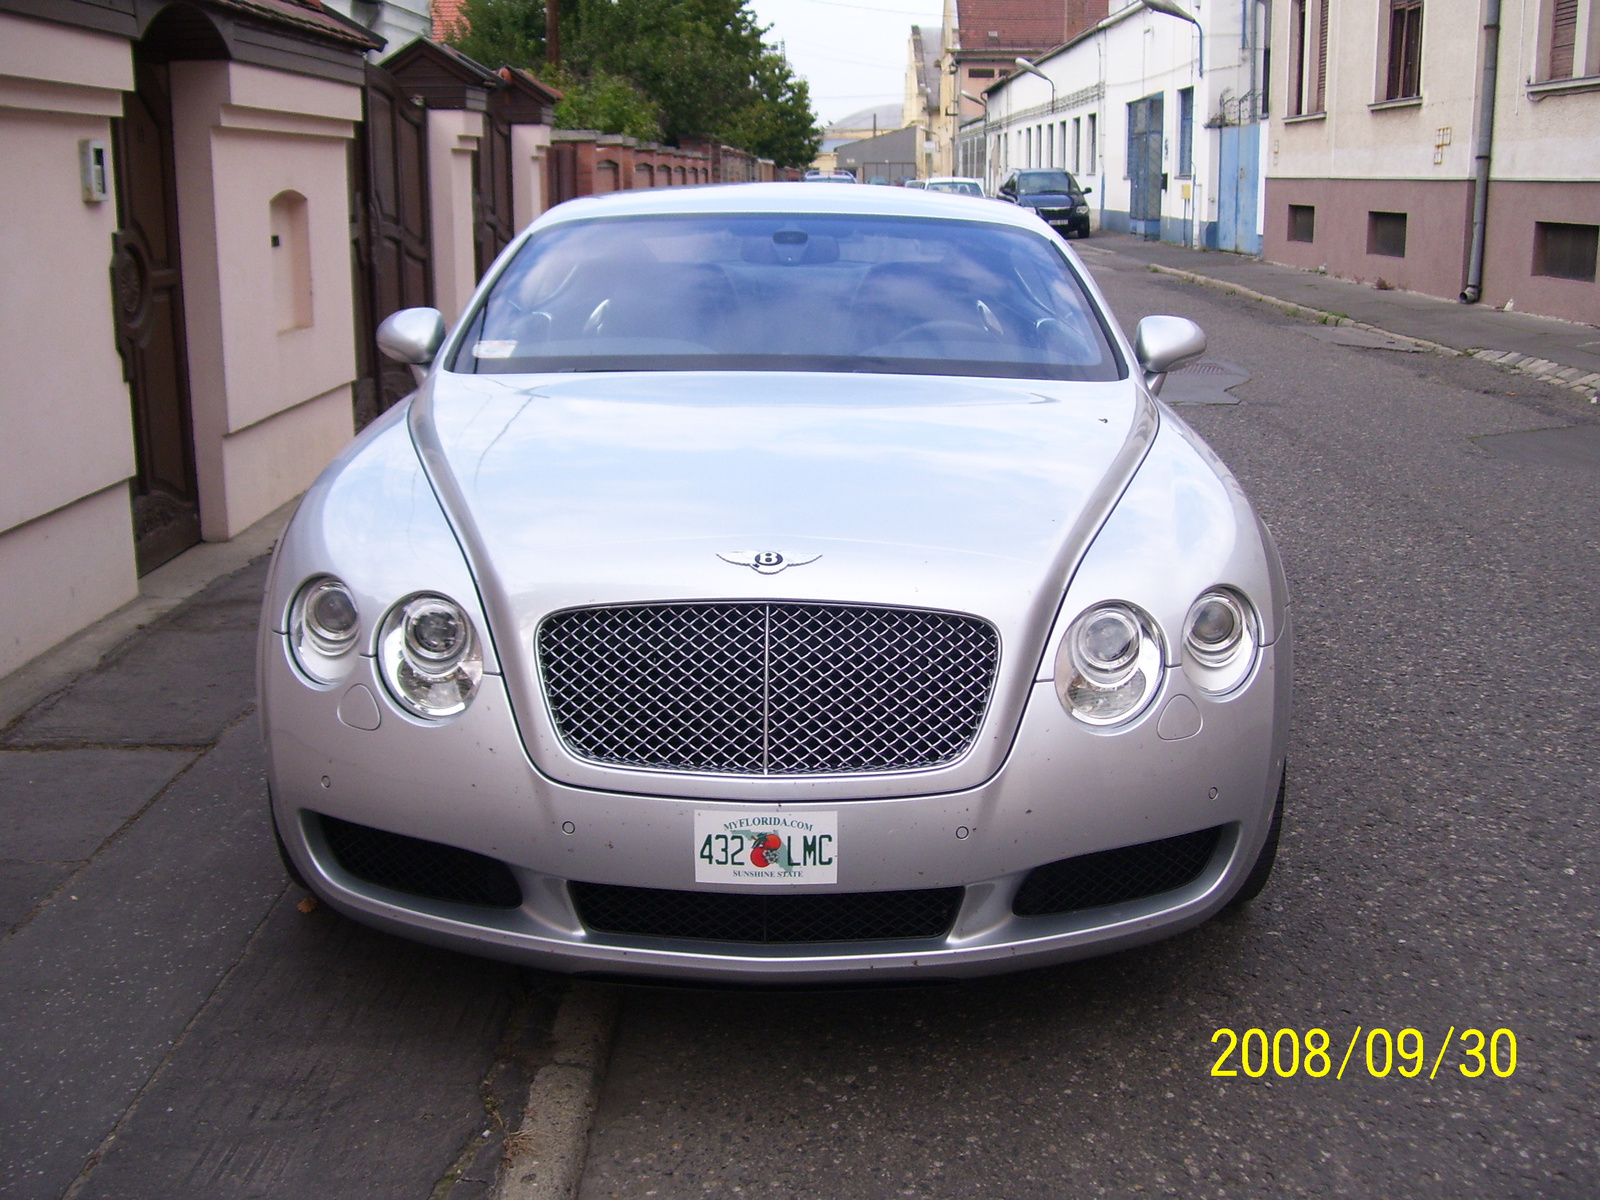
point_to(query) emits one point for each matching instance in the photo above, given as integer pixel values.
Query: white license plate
(762, 846)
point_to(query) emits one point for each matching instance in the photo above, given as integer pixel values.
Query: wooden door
(493, 219)
(147, 289)
(561, 173)
(390, 247)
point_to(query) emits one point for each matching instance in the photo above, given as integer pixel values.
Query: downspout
(1473, 292)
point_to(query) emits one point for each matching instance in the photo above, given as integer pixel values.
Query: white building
(1171, 142)
(1376, 150)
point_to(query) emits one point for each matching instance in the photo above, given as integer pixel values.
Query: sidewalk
(173, 1022)
(1560, 352)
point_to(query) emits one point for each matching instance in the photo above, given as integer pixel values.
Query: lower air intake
(721, 917)
(430, 869)
(1116, 876)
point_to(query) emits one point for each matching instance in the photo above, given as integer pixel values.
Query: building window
(1094, 143)
(1186, 131)
(981, 73)
(1565, 251)
(1302, 223)
(1570, 33)
(1077, 144)
(1308, 56)
(1386, 234)
(1404, 76)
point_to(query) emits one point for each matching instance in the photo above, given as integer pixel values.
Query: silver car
(778, 583)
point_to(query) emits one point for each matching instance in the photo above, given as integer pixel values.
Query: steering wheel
(942, 331)
(1053, 329)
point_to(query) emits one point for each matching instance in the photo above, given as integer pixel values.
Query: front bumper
(1064, 790)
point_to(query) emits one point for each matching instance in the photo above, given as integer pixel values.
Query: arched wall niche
(291, 260)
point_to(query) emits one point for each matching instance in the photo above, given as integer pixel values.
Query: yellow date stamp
(1288, 1052)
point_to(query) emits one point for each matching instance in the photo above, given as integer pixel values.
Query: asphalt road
(1438, 869)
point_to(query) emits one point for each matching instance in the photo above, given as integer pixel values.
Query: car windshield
(959, 187)
(1036, 183)
(890, 294)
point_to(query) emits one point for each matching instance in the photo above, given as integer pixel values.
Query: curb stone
(1587, 386)
(544, 1159)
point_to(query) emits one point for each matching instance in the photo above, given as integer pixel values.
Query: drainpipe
(1473, 292)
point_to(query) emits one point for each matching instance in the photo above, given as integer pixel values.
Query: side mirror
(1162, 343)
(412, 335)
(1086, 191)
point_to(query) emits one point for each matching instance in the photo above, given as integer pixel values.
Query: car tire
(283, 851)
(1256, 881)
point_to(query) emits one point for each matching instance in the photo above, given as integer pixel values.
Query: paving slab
(96, 989)
(183, 682)
(335, 1061)
(58, 806)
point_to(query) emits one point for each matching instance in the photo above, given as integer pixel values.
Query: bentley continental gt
(770, 583)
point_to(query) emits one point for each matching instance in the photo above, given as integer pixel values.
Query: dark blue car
(1054, 194)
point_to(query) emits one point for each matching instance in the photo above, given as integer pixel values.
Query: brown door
(493, 220)
(389, 234)
(148, 294)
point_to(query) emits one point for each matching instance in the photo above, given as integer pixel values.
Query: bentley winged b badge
(764, 562)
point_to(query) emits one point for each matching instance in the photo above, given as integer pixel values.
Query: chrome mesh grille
(767, 689)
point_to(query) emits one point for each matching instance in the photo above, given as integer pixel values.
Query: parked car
(1056, 196)
(839, 176)
(955, 185)
(916, 185)
(769, 583)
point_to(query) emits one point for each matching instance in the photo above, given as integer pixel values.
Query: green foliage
(502, 33)
(683, 67)
(605, 102)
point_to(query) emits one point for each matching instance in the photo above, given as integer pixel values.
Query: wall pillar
(529, 146)
(453, 136)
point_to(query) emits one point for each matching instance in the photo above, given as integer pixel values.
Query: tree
(693, 67)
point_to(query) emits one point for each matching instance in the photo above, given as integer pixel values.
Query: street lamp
(1172, 10)
(1029, 69)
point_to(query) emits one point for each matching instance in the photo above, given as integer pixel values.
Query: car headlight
(1219, 640)
(323, 624)
(430, 656)
(1108, 667)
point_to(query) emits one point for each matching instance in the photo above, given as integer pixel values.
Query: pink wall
(1514, 207)
(1437, 230)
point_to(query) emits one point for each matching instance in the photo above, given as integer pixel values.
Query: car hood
(959, 494)
(1050, 199)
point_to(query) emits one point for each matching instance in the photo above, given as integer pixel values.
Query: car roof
(797, 198)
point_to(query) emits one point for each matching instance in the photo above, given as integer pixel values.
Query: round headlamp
(1108, 667)
(1219, 640)
(323, 627)
(430, 656)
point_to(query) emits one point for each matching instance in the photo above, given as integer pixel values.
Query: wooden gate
(562, 173)
(493, 219)
(147, 290)
(390, 245)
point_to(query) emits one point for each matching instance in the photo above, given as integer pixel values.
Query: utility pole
(552, 32)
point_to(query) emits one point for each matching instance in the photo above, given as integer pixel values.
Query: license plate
(765, 847)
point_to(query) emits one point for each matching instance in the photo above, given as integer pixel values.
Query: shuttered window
(1308, 62)
(1563, 38)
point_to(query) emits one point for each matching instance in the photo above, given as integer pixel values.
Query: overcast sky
(853, 54)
